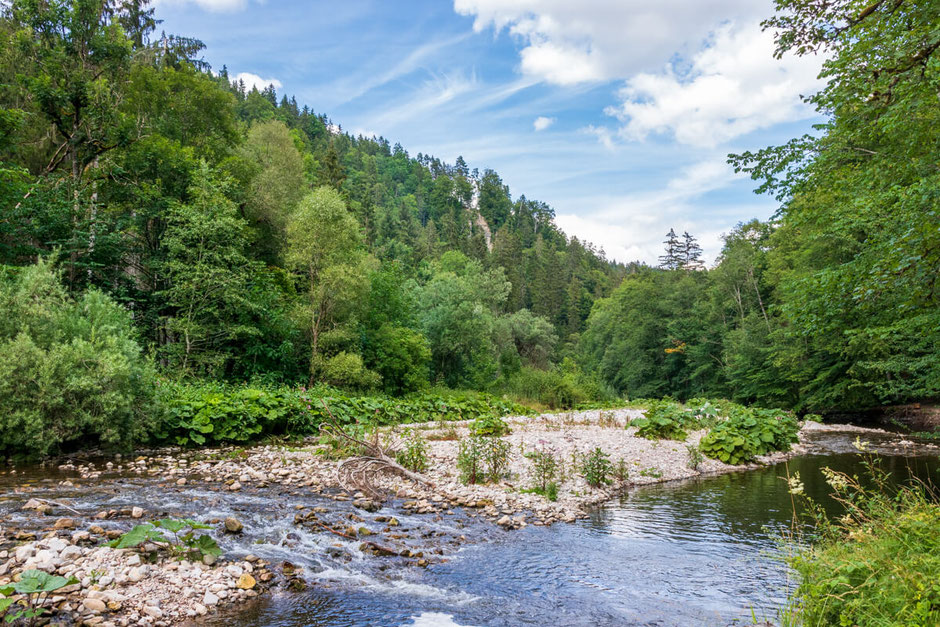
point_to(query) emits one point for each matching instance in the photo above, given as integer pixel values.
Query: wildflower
(862, 447)
(796, 486)
(836, 480)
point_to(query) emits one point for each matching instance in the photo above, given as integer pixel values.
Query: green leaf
(137, 536)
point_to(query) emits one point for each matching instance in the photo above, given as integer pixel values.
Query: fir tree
(673, 258)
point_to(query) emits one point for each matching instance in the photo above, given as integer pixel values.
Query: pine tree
(673, 258)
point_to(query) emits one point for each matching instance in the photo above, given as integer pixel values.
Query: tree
(206, 271)
(71, 372)
(691, 253)
(322, 244)
(673, 257)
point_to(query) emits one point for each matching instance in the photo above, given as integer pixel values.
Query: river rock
(95, 605)
(209, 599)
(233, 525)
(246, 582)
(137, 512)
(64, 523)
(152, 611)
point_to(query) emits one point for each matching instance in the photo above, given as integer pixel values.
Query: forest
(168, 235)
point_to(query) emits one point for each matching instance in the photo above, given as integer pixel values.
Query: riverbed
(703, 551)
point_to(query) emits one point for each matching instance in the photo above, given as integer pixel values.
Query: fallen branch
(359, 471)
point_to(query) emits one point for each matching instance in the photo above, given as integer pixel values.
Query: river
(701, 552)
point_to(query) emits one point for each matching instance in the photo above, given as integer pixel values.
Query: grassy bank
(876, 565)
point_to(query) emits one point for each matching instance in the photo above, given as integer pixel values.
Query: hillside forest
(163, 228)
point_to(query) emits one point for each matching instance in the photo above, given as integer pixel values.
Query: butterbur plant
(184, 543)
(35, 587)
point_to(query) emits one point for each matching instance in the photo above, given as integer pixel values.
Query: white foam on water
(433, 619)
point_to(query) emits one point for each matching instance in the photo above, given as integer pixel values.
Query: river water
(700, 552)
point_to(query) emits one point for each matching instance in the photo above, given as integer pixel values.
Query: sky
(618, 113)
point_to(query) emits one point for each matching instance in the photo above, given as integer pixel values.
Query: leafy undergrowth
(209, 413)
(748, 433)
(737, 434)
(877, 565)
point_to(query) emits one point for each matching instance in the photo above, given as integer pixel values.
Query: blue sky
(618, 113)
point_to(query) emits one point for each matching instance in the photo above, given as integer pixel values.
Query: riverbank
(172, 592)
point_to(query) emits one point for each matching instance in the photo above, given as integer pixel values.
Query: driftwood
(375, 458)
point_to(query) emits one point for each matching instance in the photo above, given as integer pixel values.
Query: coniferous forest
(166, 233)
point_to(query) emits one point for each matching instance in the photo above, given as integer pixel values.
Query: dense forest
(161, 221)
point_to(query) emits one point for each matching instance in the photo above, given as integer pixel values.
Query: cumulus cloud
(702, 71)
(732, 87)
(568, 42)
(541, 123)
(253, 80)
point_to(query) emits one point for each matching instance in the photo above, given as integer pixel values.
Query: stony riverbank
(117, 588)
(121, 587)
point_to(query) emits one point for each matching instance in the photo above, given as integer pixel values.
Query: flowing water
(701, 552)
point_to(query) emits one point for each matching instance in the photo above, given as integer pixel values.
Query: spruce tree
(672, 259)
(691, 253)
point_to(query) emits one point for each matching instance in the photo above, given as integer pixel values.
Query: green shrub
(481, 459)
(71, 371)
(565, 387)
(664, 420)
(414, 456)
(346, 370)
(597, 468)
(491, 426)
(748, 433)
(401, 356)
(544, 469)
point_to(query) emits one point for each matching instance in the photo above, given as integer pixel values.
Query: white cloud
(720, 80)
(215, 6)
(569, 42)
(631, 227)
(733, 86)
(253, 80)
(541, 123)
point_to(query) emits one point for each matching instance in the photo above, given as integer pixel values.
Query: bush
(481, 459)
(414, 456)
(544, 470)
(562, 388)
(597, 468)
(879, 563)
(71, 371)
(401, 356)
(664, 420)
(346, 370)
(748, 433)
